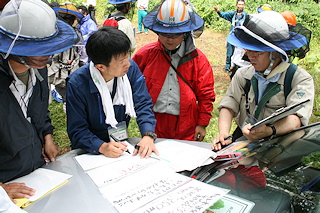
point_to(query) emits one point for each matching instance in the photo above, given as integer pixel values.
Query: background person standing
(123, 7)
(235, 17)
(86, 25)
(142, 6)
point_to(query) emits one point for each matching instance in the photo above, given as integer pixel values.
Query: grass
(60, 136)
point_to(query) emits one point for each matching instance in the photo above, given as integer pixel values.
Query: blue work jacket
(232, 17)
(85, 116)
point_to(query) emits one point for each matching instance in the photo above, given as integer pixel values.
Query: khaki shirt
(302, 89)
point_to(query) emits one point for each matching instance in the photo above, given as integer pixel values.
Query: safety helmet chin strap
(272, 60)
(24, 62)
(16, 5)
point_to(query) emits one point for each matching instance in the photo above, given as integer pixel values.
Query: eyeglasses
(254, 54)
(171, 35)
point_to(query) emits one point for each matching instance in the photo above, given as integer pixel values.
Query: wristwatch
(274, 130)
(150, 134)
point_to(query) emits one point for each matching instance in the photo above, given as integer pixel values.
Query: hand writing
(112, 149)
(220, 141)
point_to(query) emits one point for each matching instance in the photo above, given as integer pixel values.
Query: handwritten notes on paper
(114, 171)
(160, 189)
(189, 198)
(90, 161)
(133, 184)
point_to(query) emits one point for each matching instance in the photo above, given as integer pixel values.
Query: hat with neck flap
(173, 16)
(267, 31)
(30, 28)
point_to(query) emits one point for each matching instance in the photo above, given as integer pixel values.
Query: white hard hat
(30, 28)
(173, 12)
(172, 16)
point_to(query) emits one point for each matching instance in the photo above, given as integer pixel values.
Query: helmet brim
(294, 41)
(152, 23)
(62, 10)
(63, 40)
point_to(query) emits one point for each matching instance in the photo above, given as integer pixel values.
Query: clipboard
(279, 114)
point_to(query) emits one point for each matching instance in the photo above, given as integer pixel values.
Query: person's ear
(101, 67)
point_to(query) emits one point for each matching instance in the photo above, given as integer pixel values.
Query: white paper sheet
(180, 156)
(114, 171)
(183, 156)
(43, 181)
(89, 161)
(158, 187)
(193, 197)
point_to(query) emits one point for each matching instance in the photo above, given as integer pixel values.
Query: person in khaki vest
(258, 90)
(266, 37)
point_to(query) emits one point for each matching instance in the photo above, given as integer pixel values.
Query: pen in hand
(116, 140)
(226, 138)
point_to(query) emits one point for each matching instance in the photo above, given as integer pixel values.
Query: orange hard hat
(290, 17)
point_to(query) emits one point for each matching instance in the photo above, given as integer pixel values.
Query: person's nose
(128, 64)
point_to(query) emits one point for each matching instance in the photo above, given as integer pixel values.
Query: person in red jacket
(179, 76)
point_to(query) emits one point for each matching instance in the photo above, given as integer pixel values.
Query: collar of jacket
(5, 76)
(84, 19)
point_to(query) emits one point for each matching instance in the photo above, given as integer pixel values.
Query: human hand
(220, 141)
(216, 8)
(50, 150)
(257, 133)
(18, 190)
(113, 149)
(146, 147)
(200, 133)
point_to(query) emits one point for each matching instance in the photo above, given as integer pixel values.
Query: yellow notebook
(44, 181)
